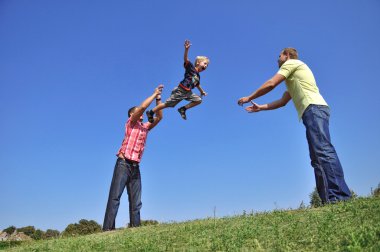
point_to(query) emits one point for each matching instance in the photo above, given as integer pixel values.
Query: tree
(302, 206)
(10, 230)
(38, 235)
(28, 230)
(315, 200)
(84, 227)
(50, 233)
(376, 192)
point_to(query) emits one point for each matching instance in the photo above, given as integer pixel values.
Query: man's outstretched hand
(243, 100)
(158, 90)
(254, 108)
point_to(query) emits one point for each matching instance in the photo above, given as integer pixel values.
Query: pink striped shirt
(133, 144)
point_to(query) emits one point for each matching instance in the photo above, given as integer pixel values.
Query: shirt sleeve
(287, 69)
(187, 65)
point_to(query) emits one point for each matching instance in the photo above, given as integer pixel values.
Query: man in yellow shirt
(315, 114)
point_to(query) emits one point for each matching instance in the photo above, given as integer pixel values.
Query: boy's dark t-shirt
(192, 77)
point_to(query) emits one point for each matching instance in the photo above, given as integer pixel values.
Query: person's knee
(169, 105)
(136, 207)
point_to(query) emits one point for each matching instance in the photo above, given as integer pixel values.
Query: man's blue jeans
(126, 174)
(328, 171)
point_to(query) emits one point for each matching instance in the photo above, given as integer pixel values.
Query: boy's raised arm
(187, 46)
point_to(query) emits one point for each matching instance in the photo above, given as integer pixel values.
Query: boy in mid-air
(183, 90)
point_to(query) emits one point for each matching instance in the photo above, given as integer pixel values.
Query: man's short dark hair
(131, 110)
(293, 54)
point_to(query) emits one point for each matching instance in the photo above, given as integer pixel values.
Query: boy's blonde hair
(200, 59)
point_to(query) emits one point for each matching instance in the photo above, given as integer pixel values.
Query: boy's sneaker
(182, 111)
(150, 114)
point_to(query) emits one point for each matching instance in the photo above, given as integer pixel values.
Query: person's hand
(187, 44)
(254, 108)
(203, 93)
(243, 100)
(158, 90)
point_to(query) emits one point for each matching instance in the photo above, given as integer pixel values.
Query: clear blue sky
(70, 70)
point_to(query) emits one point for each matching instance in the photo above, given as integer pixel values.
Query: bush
(10, 230)
(50, 233)
(9, 244)
(38, 235)
(33, 233)
(28, 230)
(83, 228)
(146, 223)
(149, 222)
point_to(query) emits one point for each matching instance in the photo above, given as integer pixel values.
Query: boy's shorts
(178, 94)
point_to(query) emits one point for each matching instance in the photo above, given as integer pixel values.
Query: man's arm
(264, 89)
(201, 90)
(145, 104)
(270, 106)
(187, 46)
(159, 115)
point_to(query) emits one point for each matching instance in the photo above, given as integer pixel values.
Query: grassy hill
(347, 226)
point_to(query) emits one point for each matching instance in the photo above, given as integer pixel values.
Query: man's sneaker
(182, 111)
(150, 114)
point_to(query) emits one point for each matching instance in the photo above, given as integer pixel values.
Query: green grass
(347, 226)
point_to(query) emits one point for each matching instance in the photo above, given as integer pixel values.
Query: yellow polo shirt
(301, 85)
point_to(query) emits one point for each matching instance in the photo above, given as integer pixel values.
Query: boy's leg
(176, 96)
(159, 107)
(195, 100)
(193, 104)
(150, 113)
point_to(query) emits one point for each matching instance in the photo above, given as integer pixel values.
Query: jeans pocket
(122, 163)
(318, 111)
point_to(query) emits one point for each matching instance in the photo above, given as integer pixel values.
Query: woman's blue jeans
(328, 171)
(126, 174)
